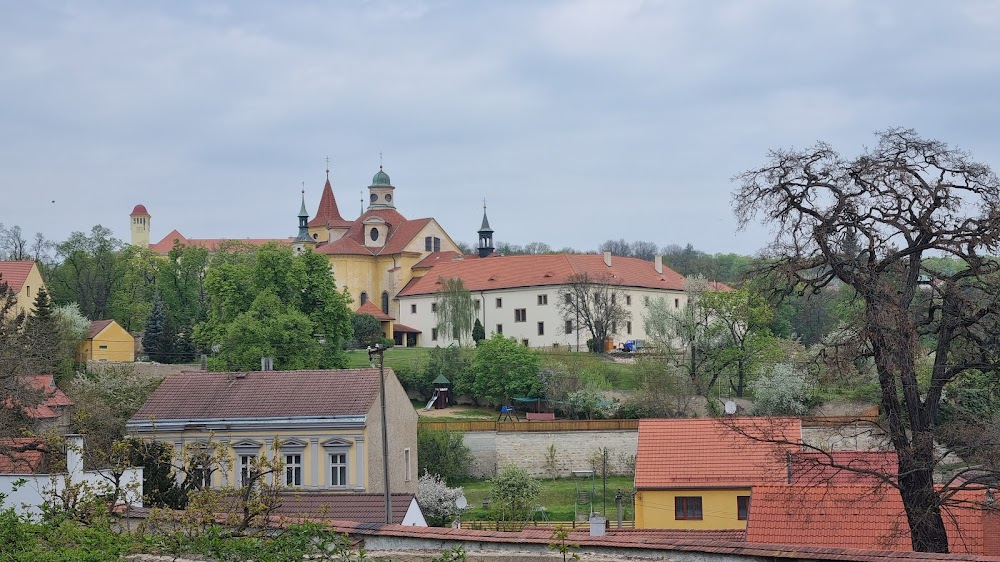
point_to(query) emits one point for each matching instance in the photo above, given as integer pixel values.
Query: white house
(26, 490)
(518, 295)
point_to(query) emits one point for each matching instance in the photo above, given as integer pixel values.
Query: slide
(430, 403)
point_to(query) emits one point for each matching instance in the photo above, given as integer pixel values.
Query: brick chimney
(658, 264)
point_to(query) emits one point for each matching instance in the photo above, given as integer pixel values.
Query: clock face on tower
(374, 234)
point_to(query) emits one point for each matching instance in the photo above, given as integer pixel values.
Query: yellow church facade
(373, 256)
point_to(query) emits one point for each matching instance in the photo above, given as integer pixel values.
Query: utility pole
(380, 352)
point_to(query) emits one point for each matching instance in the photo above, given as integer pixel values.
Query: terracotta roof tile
(14, 273)
(139, 209)
(401, 233)
(863, 517)
(403, 328)
(435, 258)
(262, 394)
(14, 460)
(328, 214)
(96, 327)
(679, 453)
(508, 272)
(370, 308)
(49, 395)
(843, 467)
(361, 508)
(211, 244)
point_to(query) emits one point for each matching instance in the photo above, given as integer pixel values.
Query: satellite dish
(461, 502)
(730, 407)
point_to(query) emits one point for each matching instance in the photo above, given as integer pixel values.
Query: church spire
(303, 239)
(485, 235)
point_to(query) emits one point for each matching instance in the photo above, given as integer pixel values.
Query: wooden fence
(603, 425)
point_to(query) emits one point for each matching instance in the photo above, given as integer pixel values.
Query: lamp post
(377, 349)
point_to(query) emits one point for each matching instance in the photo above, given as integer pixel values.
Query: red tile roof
(370, 308)
(96, 327)
(435, 258)
(401, 233)
(328, 214)
(212, 244)
(862, 517)
(843, 467)
(723, 452)
(50, 396)
(139, 209)
(21, 455)
(361, 508)
(508, 272)
(403, 328)
(262, 394)
(15, 273)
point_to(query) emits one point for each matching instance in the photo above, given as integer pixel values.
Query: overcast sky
(579, 121)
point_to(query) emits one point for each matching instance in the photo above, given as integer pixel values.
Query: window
(475, 304)
(677, 303)
(338, 469)
(102, 347)
(427, 244)
(541, 328)
(742, 507)
(543, 300)
(385, 302)
(499, 303)
(364, 297)
(520, 315)
(628, 299)
(499, 328)
(29, 290)
(628, 327)
(434, 307)
(437, 244)
(454, 333)
(687, 507)
(569, 327)
(293, 470)
(524, 343)
(374, 234)
(406, 464)
(434, 334)
(413, 309)
(248, 469)
(569, 298)
(200, 472)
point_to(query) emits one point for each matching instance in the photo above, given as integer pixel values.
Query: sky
(577, 121)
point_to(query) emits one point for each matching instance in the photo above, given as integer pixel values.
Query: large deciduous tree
(89, 272)
(596, 303)
(502, 370)
(869, 222)
(454, 312)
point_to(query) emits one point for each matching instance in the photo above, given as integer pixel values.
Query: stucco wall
(402, 433)
(574, 450)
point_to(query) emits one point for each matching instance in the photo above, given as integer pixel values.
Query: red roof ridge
(370, 309)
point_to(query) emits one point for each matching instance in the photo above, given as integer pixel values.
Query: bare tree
(595, 303)
(868, 222)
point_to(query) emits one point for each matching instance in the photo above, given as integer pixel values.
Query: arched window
(385, 302)
(364, 297)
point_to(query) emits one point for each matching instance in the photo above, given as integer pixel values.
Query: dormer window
(374, 234)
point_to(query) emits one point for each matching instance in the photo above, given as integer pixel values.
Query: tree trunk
(920, 500)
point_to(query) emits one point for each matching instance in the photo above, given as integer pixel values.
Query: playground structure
(441, 395)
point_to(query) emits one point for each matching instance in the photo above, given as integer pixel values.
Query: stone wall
(573, 450)
(143, 368)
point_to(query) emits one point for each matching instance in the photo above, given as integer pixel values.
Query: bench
(542, 416)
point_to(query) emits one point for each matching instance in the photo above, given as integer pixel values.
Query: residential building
(519, 296)
(361, 508)
(373, 256)
(325, 425)
(53, 408)
(23, 279)
(699, 473)
(107, 341)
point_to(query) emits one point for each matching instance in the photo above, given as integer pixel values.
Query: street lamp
(378, 350)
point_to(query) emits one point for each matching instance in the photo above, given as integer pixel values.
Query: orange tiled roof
(15, 273)
(695, 453)
(52, 397)
(370, 308)
(862, 517)
(835, 467)
(403, 328)
(96, 327)
(13, 460)
(212, 244)
(435, 258)
(328, 214)
(401, 232)
(139, 209)
(508, 272)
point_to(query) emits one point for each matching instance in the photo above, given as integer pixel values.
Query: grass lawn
(557, 497)
(407, 357)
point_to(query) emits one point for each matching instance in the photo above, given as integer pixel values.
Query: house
(519, 296)
(325, 425)
(23, 279)
(372, 257)
(865, 517)
(52, 409)
(699, 473)
(26, 489)
(107, 341)
(360, 508)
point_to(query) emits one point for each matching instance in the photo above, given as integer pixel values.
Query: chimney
(607, 259)
(658, 263)
(74, 455)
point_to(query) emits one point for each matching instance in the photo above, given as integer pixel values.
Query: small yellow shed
(107, 341)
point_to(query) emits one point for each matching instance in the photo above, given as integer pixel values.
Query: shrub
(443, 453)
(437, 500)
(513, 493)
(781, 390)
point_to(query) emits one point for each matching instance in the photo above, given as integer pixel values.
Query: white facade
(531, 315)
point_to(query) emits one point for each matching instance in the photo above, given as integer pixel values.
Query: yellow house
(698, 473)
(23, 280)
(325, 428)
(107, 341)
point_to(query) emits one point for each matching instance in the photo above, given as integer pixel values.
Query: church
(373, 256)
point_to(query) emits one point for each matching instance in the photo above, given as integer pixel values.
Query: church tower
(303, 241)
(380, 192)
(140, 226)
(485, 236)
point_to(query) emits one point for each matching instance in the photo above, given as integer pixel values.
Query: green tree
(42, 329)
(367, 329)
(157, 341)
(455, 363)
(502, 369)
(741, 319)
(513, 494)
(88, 272)
(478, 332)
(443, 453)
(132, 297)
(454, 311)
